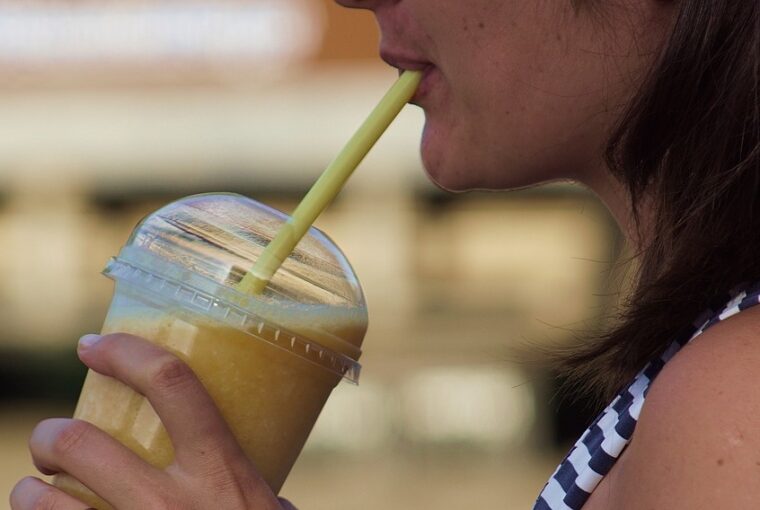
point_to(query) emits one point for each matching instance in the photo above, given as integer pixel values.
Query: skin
(518, 92)
(210, 469)
(696, 444)
(523, 91)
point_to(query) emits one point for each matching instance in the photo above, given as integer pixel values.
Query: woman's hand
(209, 471)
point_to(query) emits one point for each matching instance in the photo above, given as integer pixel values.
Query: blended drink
(269, 361)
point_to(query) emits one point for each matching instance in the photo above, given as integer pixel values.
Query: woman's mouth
(430, 76)
(430, 73)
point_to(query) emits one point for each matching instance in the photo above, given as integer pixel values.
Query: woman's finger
(97, 460)
(190, 416)
(34, 494)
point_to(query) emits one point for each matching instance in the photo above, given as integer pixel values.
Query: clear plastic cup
(269, 361)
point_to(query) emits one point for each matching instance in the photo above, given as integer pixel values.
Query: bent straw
(330, 183)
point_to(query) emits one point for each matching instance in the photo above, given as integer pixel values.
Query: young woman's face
(518, 92)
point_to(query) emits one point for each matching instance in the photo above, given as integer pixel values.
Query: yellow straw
(330, 183)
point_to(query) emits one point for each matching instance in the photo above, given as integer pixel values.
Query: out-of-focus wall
(93, 139)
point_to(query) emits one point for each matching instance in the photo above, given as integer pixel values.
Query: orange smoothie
(269, 396)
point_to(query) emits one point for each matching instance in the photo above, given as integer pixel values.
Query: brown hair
(691, 142)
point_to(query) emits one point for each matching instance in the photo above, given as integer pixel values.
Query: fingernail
(88, 341)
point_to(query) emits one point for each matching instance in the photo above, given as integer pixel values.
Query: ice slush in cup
(269, 361)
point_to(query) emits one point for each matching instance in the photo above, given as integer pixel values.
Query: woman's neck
(615, 196)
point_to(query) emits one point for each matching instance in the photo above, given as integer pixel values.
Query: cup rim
(192, 293)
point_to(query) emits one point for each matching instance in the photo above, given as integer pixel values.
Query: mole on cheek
(720, 462)
(481, 25)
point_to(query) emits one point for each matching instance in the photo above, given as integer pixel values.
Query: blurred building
(111, 109)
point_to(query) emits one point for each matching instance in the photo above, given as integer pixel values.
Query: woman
(653, 105)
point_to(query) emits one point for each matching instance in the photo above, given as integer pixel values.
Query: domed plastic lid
(197, 249)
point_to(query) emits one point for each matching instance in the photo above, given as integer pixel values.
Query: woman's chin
(445, 181)
(440, 163)
(452, 170)
(443, 177)
(460, 169)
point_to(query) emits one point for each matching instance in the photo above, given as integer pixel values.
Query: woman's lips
(405, 63)
(430, 76)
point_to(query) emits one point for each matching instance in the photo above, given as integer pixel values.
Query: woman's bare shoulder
(697, 443)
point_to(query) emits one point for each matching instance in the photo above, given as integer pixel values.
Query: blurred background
(110, 109)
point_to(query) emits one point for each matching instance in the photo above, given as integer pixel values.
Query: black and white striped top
(594, 454)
